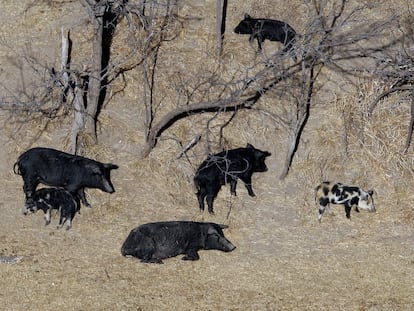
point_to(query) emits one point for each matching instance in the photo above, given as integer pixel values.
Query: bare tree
(221, 16)
(159, 18)
(336, 38)
(104, 18)
(395, 68)
(83, 90)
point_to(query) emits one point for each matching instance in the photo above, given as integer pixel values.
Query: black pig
(261, 29)
(227, 167)
(47, 199)
(156, 241)
(60, 169)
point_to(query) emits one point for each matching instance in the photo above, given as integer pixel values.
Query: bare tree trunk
(72, 91)
(94, 87)
(150, 63)
(410, 128)
(79, 120)
(79, 108)
(64, 66)
(302, 116)
(221, 13)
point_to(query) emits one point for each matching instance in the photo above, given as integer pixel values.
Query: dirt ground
(284, 260)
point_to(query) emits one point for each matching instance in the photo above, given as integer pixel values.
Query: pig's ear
(249, 146)
(247, 16)
(94, 168)
(111, 166)
(211, 230)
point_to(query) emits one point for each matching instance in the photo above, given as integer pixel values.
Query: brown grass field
(284, 260)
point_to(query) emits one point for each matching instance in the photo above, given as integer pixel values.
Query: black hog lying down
(60, 169)
(156, 241)
(227, 167)
(47, 199)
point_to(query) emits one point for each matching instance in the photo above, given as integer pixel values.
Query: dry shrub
(352, 147)
(282, 253)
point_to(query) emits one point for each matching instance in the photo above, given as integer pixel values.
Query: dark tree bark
(96, 12)
(221, 13)
(410, 127)
(104, 20)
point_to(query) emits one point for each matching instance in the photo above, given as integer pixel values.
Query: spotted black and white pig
(227, 167)
(153, 242)
(270, 29)
(337, 193)
(47, 199)
(60, 169)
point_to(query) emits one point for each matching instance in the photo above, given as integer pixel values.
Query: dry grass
(284, 259)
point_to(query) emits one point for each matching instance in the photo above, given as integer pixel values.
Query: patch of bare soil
(284, 260)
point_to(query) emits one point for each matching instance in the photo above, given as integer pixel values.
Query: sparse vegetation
(342, 112)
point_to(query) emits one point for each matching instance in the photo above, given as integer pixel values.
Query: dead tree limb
(399, 88)
(189, 145)
(302, 115)
(229, 104)
(410, 128)
(387, 93)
